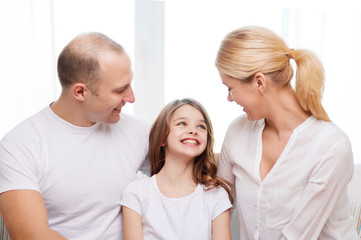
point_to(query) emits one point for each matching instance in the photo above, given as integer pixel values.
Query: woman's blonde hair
(249, 50)
(204, 165)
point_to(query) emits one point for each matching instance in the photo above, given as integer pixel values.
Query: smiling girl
(184, 199)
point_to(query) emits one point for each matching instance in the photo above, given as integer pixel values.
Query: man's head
(79, 60)
(97, 73)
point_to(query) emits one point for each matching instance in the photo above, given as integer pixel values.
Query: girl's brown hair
(249, 50)
(204, 166)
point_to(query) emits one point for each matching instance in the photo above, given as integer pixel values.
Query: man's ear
(261, 82)
(80, 90)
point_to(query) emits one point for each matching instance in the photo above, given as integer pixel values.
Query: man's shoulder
(128, 121)
(29, 126)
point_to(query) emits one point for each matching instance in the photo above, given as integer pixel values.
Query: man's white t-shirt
(164, 218)
(304, 196)
(80, 172)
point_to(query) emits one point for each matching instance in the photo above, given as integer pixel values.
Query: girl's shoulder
(217, 200)
(139, 184)
(215, 193)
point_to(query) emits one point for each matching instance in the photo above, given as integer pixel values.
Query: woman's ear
(79, 91)
(261, 82)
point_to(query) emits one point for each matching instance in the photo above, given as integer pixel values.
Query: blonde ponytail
(309, 82)
(246, 51)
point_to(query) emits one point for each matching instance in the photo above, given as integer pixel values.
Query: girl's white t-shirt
(189, 217)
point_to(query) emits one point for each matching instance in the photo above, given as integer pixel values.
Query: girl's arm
(221, 229)
(132, 225)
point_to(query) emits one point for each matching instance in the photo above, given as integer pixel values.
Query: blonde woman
(288, 164)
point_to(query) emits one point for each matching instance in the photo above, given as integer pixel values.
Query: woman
(288, 164)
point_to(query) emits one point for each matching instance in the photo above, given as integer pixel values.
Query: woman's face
(245, 95)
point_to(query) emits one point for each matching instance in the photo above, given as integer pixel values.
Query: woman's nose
(229, 97)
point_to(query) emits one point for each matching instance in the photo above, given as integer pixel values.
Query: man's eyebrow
(120, 89)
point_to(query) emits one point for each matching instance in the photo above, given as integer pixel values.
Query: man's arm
(25, 215)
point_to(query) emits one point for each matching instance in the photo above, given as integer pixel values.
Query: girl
(288, 163)
(184, 199)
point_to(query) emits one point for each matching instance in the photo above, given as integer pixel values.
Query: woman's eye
(229, 89)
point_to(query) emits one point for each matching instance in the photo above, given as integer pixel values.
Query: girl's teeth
(190, 141)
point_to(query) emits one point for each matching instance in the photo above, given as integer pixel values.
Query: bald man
(63, 170)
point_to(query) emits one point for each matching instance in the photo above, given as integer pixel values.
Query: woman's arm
(325, 187)
(132, 225)
(221, 229)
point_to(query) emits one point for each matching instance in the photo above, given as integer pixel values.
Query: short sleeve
(221, 202)
(131, 197)
(18, 168)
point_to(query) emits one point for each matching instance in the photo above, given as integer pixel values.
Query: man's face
(113, 90)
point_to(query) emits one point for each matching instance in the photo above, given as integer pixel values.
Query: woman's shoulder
(327, 130)
(242, 124)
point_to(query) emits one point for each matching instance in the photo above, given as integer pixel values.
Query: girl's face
(244, 94)
(188, 133)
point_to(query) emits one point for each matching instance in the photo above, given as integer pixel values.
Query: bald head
(79, 60)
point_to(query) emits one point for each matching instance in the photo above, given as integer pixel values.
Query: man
(63, 170)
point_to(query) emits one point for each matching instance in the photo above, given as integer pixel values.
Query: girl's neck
(175, 179)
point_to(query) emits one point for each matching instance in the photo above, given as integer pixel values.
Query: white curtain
(26, 60)
(194, 30)
(33, 32)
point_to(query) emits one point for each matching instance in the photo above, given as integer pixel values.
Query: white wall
(173, 46)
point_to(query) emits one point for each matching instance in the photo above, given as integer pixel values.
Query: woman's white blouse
(304, 196)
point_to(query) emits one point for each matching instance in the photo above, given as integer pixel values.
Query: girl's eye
(202, 127)
(229, 89)
(181, 124)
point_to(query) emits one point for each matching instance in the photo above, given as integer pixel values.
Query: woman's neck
(285, 112)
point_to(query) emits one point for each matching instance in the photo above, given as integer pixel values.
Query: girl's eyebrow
(180, 118)
(185, 118)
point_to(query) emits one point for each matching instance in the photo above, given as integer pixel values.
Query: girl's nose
(192, 132)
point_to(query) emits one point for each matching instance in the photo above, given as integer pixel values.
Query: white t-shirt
(164, 218)
(304, 196)
(80, 172)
